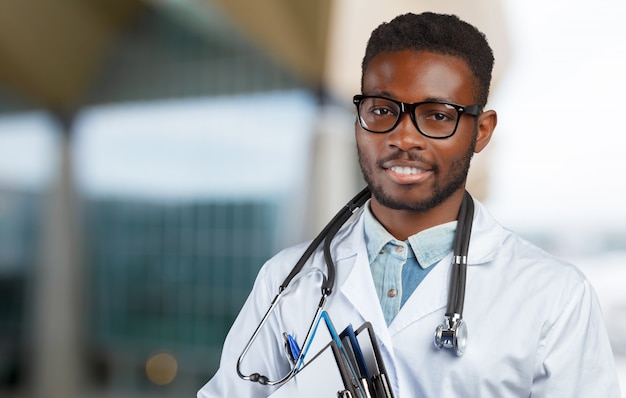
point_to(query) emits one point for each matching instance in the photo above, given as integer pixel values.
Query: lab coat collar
(354, 279)
(487, 235)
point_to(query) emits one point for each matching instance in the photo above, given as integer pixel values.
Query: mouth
(405, 174)
(406, 170)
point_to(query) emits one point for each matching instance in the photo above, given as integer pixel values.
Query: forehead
(414, 76)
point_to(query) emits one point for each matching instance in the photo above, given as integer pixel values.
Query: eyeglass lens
(433, 119)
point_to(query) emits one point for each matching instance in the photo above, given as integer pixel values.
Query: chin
(412, 198)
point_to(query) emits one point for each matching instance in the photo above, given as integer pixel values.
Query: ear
(486, 124)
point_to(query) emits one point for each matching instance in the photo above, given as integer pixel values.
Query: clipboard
(368, 345)
(349, 366)
(355, 356)
(318, 379)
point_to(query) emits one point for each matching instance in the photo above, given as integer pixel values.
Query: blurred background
(154, 153)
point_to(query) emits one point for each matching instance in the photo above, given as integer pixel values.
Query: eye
(437, 113)
(440, 117)
(382, 111)
(379, 108)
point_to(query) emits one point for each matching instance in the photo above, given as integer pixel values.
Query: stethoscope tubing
(262, 379)
(326, 235)
(456, 293)
(455, 296)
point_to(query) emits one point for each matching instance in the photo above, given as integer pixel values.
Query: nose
(405, 135)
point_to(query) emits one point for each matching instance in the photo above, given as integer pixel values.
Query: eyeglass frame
(472, 110)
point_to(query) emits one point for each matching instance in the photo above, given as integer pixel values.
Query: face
(404, 169)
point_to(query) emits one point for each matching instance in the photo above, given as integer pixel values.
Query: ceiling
(51, 52)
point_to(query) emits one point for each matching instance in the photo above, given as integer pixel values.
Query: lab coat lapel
(431, 295)
(355, 283)
(359, 290)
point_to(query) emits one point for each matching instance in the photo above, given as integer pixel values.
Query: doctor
(535, 326)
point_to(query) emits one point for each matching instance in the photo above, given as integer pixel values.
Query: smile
(408, 174)
(406, 170)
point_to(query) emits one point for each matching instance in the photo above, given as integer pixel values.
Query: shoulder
(517, 259)
(281, 264)
(345, 243)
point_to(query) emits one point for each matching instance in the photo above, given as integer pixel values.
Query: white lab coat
(535, 326)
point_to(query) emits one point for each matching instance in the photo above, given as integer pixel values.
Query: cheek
(364, 143)
(447, 154)
(369, 142)
(456, 146)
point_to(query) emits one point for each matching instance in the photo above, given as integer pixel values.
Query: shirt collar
(429, 246)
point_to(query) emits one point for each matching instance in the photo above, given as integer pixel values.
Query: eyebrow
(387, 94)
(381, 93)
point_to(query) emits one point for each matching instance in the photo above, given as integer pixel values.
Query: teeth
(405, 170)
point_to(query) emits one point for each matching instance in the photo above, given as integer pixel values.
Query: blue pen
(293, 350)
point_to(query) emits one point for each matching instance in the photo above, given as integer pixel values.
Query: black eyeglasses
(432, 119)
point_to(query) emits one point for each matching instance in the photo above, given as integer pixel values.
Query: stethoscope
(452, 333)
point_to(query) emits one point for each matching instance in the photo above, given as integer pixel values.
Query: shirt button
(391, 293)
(399, 249)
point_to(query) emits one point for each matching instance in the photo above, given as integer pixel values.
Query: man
(535, 326)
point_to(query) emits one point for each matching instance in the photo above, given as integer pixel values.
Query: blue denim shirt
(399, 267)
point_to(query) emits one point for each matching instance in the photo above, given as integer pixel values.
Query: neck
(404, 223)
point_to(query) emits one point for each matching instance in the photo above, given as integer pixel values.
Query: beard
(444, 186)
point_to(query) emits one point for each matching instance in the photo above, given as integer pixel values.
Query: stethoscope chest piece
(452, 333)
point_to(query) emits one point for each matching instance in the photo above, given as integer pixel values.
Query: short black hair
(438, 33)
